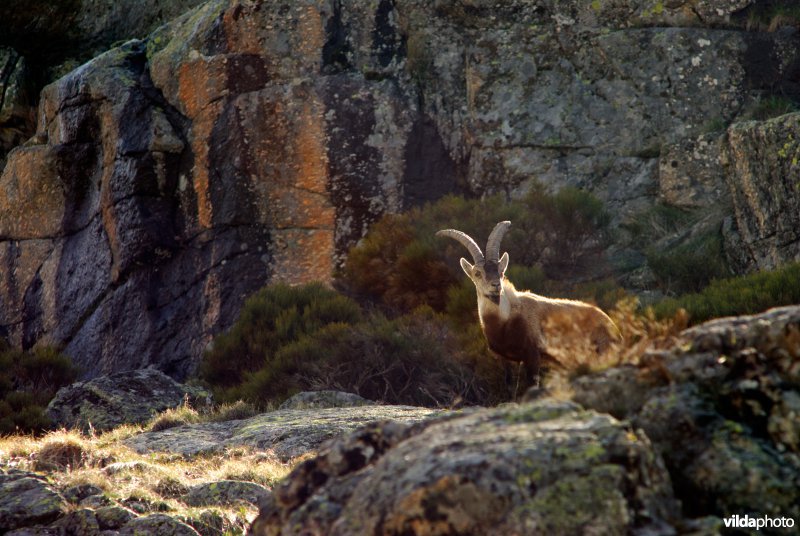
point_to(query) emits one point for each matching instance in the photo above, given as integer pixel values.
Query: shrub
(270, 319)
(232, 412)
(290, 339)
(689, 267)
(747, 294)
(769, 107)
(771, 16)
(658, 221)
(402, 262)
(63, 451)
(414, 359)
(28, 381)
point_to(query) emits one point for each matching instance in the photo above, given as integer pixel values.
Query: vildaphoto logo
(758, 523)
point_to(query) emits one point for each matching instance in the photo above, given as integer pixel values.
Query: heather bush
(28, 381)
(689, 267)
(270, 319)
(746, 294)
(416, 358)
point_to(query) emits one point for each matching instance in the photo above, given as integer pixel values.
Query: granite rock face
(41, 40)
(546, 467)
(247, 142)
(124, 398)
(763, 160)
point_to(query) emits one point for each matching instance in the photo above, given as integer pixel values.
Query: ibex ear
(467, 267)
(502, 264)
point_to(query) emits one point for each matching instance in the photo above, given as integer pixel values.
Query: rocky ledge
(690, 435)
(710, 430)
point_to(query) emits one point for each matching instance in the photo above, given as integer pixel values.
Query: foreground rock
(124, 398)
(545, 467)
(722, 408)
(287, 433)
(27, 499)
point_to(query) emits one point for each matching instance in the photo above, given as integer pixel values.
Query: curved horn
(493, 244)
(466, 241)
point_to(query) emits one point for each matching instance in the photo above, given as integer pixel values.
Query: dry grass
(172, 417)
(576, 355)
(144, 482)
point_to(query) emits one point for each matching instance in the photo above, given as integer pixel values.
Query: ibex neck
(501, 309)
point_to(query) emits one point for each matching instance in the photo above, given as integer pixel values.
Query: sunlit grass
(146, 482)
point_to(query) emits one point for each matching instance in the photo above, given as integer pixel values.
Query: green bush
(689, 267)
(658, 221)
(772, 15)
(28, 381)
(747, 294)
(272, 318)
(414, 359)
(769, 107)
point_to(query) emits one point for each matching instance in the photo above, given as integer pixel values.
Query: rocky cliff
(245, 142)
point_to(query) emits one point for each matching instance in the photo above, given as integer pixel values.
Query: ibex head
(486, 272)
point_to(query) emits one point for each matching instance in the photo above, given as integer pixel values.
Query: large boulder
(542, 467)
(324, 399)
(287, 433)
(225, 492)
(26, 499)
(123, 398)
(721, 406)
(157, 525)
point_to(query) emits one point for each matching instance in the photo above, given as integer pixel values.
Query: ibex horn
(466, 241)
(493, 244)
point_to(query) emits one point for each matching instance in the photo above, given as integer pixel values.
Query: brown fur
(512, 340)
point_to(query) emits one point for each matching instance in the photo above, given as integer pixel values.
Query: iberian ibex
(516, 323)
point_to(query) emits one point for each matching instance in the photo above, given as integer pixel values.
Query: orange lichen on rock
(32, 196)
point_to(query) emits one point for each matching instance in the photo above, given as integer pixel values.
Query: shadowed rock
(124, 398)
(721, 407)
(26, 500)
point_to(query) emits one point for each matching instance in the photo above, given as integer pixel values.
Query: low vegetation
(28, 381)
(748, 294)
(770, 106)
(690, 266)
(772, 15)
(143, 483)
(416, 358)
(403, 265)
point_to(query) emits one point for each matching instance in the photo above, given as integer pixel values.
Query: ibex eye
(477, 274)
